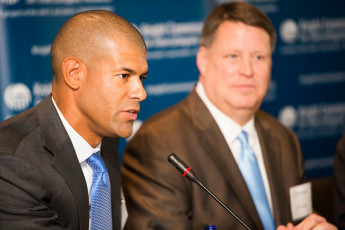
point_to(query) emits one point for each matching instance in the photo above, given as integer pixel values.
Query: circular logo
(288, 116)
(288, 31)
(17, 97)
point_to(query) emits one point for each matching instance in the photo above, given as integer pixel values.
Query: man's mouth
(132, 113)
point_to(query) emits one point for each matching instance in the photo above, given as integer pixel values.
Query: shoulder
(266, 118)
(272, 127)
(268, 121)
(170, 118)
(15, 129)
(25, 127)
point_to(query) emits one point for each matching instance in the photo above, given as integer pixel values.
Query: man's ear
(201, 59)
(72, 70)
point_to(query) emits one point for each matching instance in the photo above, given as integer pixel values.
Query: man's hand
(313, 221)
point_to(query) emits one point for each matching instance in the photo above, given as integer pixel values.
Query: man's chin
(126, 134)
(126, 131)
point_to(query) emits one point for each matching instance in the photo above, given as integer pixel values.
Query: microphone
(187, 171)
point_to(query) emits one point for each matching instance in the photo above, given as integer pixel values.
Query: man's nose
(137, 90)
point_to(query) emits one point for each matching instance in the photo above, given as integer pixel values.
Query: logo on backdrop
(17, 97)
(170, 39)
(315, 35)
(9, 2)
(288, 31)
(288, 116)
(315, 120)
(40, 90)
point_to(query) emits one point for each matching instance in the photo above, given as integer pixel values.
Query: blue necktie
(100, 194)
(251, 173)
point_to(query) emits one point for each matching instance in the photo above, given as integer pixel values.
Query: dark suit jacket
(158, 197)
(42, 185)
(339, 182)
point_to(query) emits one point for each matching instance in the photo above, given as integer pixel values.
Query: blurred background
(306, 93)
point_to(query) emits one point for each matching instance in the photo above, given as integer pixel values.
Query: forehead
(135, 61)
(240, 34)
(122, 43)
(122, 51)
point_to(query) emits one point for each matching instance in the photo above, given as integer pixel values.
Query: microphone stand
(188, 172)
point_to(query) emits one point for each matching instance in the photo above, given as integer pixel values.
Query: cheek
(109, 88)
(262, 69)
(264, 81)
(109, 101)
(227, 76)
(113, 97)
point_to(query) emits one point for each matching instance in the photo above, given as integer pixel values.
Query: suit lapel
(271, 151)
(214, 143)
(65, 160)
(223, 157)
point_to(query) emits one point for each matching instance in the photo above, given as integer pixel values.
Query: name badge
(301, 201)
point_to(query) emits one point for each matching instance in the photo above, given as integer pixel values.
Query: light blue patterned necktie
(251, 173)
(100, 194)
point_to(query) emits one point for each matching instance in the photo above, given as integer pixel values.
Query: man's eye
(123, 76)
(258, 57)
(233, 55)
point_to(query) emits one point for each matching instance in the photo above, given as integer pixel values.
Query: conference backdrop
(306, 93)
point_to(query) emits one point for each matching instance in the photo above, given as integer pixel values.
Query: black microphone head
(177, 163)
(183, 168)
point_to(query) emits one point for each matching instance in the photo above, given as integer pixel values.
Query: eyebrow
(133, 72)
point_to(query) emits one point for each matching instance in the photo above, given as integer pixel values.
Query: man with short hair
(234, 147)
(59, 167)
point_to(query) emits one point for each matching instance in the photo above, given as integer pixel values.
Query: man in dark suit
(234, 61)
(99, 62)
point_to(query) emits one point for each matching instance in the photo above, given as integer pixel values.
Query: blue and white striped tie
(100, 194)
(251, 173)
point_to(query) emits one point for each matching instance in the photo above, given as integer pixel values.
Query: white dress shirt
(84, 151)
(81, 147)
(226, 124)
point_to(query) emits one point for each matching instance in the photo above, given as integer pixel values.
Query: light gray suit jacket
(158, 197)
(42, 185)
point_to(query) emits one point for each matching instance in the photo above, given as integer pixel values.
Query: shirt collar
(224, 122)
(81, 147)
(250, 129)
